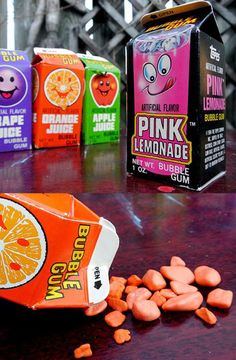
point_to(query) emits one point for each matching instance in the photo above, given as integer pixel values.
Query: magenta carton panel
(15, 101)
(176, 103)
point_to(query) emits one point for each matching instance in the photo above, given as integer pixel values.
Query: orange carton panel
(55, 252)
(58, 89)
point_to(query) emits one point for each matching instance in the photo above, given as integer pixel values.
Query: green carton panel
(101, 109)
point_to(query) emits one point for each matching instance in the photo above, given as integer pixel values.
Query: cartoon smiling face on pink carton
(161, 65)
(160, 72)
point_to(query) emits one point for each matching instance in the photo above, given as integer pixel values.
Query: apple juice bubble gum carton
(101, 107)
(176, 97)
(15, 101)
(58, 88)
(55, 252)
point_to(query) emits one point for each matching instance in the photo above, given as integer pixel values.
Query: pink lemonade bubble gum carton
(176, 97)
(55, 251)
(15, 101)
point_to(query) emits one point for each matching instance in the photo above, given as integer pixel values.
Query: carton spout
(180, 9)
(102, 258)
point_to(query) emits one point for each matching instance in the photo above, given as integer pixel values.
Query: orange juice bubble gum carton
(58, 89)
(55, 252)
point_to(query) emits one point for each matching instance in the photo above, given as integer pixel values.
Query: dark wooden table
(96, 168)
(152, 228)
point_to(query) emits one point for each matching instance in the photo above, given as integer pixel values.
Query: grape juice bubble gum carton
(58, 88)
(15, 101)
(176, 97)
(101, 107)
(55, 252)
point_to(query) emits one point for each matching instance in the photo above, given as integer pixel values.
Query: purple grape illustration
(13, 86)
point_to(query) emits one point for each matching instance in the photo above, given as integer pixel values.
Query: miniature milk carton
(101, 107)
(58, 88)
(176, 97)
(55, 252)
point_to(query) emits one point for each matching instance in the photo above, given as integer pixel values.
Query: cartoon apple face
(157, 77)
(13, 86)
(104, 89)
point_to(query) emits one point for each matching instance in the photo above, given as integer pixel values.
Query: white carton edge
(40, 50)
(101, 260)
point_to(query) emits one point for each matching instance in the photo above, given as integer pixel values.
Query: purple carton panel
(15, 101)
(176, 98)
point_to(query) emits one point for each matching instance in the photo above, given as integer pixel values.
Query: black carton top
(180, 9)
(198, 13)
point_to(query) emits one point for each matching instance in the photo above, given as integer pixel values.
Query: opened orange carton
(58, 89)
(55, 252)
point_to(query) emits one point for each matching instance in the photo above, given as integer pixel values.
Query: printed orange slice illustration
(22, 245)
(62, 88)
(35, 81)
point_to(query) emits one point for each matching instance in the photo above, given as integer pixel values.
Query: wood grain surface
(152, 228)
(95, 168)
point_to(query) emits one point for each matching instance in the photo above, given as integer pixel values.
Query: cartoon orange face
(22, 245)
(62, 88)
(104, 89)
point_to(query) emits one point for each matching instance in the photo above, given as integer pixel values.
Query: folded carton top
(97, 63)
(196, 16)
(180, 9)
(62, 57)
(63, 205)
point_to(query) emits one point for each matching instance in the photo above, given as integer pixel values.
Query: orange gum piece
(180, 288)
(207, 276)
(177, 261)
(145, 310)
(130, 288)
(206, 315)
(158, 298)
(167, 293)
(179, 273)
(118, 278)
(185, 302)
(115, 318)
(83, 351)
(134, 280)
(139, 294)
(116, 289)
(220, 298)
(117, 304)
(121, 336)
(154, 280)
(96, 308)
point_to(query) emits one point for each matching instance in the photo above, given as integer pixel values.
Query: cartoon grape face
(13, 86)
(152, 74)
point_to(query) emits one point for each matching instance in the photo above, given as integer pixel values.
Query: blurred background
(103, 27)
